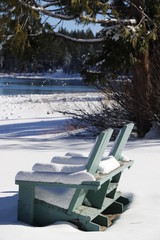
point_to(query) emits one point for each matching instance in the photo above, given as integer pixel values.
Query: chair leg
(90, 226)
(123, 200)
(96, 198)
(114, 208)
(26, 203)
(102, 220)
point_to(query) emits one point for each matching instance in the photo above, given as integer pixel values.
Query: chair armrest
(101, 178)
(90, 185)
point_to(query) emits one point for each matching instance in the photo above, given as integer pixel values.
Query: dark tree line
(45, 52)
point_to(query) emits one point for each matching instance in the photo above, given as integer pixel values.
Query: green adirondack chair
(101, 193)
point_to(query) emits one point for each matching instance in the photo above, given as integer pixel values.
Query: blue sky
(72, 25)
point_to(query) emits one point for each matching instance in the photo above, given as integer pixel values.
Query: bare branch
(91, 41)
(48, 5)
(85, 41)
(48, 13)
(112, 21)
(140, 10)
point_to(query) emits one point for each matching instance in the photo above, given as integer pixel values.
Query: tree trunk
(142, 92)
(155, 79)
(141, 81)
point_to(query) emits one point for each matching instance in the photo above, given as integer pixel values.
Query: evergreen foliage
(123, 44)
(46, 53)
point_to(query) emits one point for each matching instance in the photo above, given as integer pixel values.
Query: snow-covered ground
(31, 131)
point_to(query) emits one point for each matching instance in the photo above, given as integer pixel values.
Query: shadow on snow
(33, 128)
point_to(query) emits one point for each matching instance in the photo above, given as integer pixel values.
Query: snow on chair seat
(73, 160)
(58, 167)
(105, 166)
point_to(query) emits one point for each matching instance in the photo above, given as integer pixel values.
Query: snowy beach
(31, 131)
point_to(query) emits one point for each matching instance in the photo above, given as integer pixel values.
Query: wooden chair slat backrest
(98, 150)
(121, 141)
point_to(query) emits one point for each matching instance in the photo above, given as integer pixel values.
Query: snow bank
(42, 105)
(154, 133)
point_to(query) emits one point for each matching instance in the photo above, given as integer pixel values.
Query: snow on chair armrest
(73, 178)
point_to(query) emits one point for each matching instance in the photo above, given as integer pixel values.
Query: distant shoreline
(59, 74)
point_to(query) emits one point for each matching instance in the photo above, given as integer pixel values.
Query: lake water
(23, 85)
